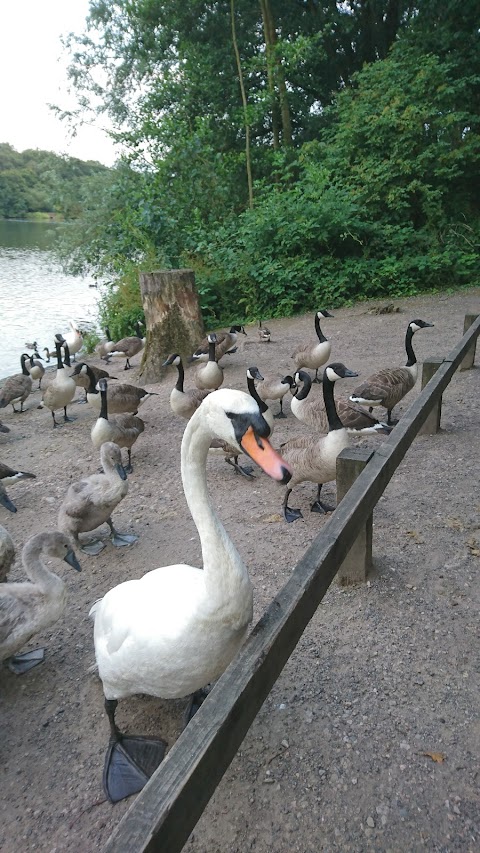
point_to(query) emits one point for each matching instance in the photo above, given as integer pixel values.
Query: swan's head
(58, 545)
(415, 325)
(174, 358)
(235, 417)
(111, 459)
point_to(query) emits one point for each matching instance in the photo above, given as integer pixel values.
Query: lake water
(37, 299)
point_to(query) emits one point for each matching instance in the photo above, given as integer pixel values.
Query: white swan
(178, 627)
(28, 608)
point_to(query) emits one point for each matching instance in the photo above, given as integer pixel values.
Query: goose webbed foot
(93, 548)
(196, 699)
(246, 470)
(66, 418)
(289, 513)
(319, 505)
(22, 663)
(391, 422)
(280, 414)
(130, 759)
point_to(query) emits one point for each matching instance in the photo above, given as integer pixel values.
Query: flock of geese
(172, 632)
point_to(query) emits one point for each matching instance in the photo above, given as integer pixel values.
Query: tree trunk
(173, 318)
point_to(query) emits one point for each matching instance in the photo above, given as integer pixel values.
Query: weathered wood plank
(166, 811)
(432, 421)
(469, 357)
(358, 562)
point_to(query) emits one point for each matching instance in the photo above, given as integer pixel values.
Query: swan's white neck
(226, 577)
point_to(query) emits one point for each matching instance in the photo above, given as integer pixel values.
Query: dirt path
(370, 739)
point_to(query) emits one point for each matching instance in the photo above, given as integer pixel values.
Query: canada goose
(61, 390)
(314, 458)
(264, 334)
(7, 553)
(177, 628)
(5, 500)
(225, 342)
(315, 354)
(252, 374)
(28, 608)
(105, 347)
(122, 429)
(310, 409)
(74, 339)
(8, 475)
(16, 388)
(34, 367)
(273, 388)
(82, 380)
(127, 347)
(210, 375)
(90, 502)
(183, 403)
(120, 398)
(230, 451)
(387, 387)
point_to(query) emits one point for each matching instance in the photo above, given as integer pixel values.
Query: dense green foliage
(359, 124)
(35, 181)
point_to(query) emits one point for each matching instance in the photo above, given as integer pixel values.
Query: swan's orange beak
(262, 452)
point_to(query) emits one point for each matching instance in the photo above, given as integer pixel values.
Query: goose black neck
(107, 332)
(181, 376)
(58, 349)
(305, 389)
(22, 362)
(253, 393)
(211, 351)
(92, 389)
(321, 337)
(103, 405)
(66, 356)
(334, 421)
(412, 359)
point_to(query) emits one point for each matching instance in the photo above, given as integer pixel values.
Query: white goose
(178, 627)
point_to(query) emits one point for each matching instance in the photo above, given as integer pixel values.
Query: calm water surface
(37, 299)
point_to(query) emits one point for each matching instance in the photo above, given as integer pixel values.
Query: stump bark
(173, 318)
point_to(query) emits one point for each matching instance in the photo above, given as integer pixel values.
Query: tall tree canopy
(280, 147)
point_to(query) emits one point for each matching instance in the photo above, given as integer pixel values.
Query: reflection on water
(37, 299)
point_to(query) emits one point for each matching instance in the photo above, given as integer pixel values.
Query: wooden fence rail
(166, 811)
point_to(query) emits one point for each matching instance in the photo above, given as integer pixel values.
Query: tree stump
(173, 318)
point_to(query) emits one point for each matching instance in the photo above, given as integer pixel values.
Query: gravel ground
(369, 740)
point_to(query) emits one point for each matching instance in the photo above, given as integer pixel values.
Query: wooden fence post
(432, 421)
(358, 562)
(173, 318)
(469, 359)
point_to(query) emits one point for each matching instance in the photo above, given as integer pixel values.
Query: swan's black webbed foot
(121, 539)
(22, 663)
(196, 699)
(130, 759)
